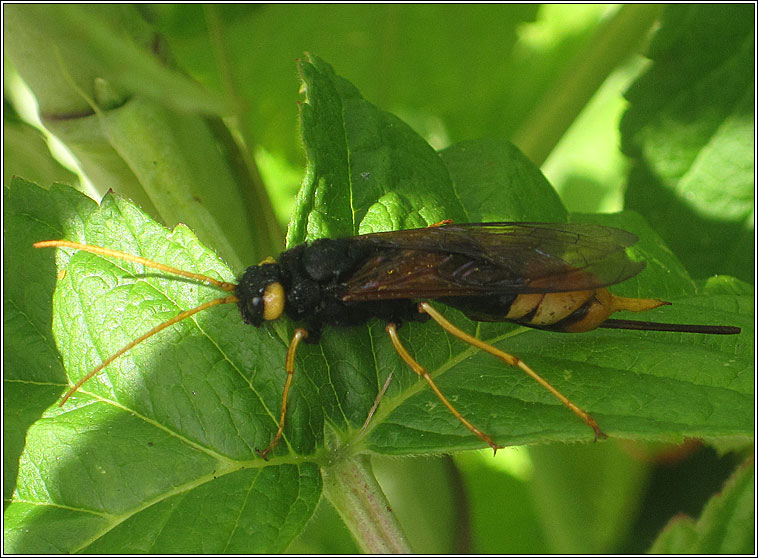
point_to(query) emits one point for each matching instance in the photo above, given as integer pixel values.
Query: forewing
(492, 258)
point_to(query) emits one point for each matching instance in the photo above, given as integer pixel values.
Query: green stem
(352, 489)
(268, 237)
(613, 43)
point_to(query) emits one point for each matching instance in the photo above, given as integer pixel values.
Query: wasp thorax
(260, 294)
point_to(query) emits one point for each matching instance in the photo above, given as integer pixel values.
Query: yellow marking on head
(273, 301)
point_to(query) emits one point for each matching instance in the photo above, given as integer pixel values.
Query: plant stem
(352, 489)
(613, 43)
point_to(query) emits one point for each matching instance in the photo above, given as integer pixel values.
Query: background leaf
(724, 526)
(139, 126)
(433, 82)
(689, 131)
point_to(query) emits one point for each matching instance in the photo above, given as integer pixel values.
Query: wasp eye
(273, 301)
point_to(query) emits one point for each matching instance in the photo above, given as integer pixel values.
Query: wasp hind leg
(426, 308)
(421, 371)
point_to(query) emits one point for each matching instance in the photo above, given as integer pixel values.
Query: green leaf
(139, 126)
(726, 526)
(53, 45)
(367, 170)
(689, 130)
(177, 420)
(499, 182)
(25, 153)
(32, 369)
(189, 174)
(171, 427)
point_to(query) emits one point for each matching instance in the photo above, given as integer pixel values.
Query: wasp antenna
(678, 328)
(223, 285)
(178, 318)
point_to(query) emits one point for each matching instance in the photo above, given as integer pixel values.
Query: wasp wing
(491, 258)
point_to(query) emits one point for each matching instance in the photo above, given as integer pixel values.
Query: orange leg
(300, 334)
(418, 369)
(513, 361)
(443, 222)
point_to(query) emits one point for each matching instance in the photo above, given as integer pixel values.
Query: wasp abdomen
(572, 312)
(576, 312)
(549, 308)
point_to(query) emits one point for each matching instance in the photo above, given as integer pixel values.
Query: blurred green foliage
(224, 77)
